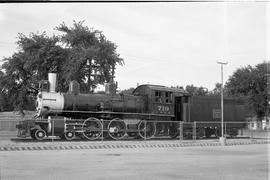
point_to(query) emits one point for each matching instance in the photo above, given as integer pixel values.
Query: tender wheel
(200, 133)
(117, 129)
(232, 132)
(40, 134)
(146, 129)
(173, 132)
(92, 128)
(69, 136)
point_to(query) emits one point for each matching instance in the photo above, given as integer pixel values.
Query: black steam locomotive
(151, 110)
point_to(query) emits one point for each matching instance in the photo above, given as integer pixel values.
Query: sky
(176, 43)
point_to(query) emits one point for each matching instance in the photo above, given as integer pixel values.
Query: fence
(7, 125)
(211, 130)
(136, 129)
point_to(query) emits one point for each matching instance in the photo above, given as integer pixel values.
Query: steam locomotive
(152, 110)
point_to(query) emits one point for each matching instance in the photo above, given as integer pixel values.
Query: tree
(196, 91)
(251, 82)
(38, 54)
(217, 90)
(128, 91)
(67, 55)
(92, 58)
(2, 95)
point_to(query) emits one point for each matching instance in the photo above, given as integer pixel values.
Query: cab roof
(160, 88)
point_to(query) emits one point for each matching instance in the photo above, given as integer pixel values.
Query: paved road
(212, 162)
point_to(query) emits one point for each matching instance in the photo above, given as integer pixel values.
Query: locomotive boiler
(50, 102)
(151, 110)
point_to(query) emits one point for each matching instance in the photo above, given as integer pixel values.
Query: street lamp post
(222, 139)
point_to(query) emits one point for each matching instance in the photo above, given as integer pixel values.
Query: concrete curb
(128, 145)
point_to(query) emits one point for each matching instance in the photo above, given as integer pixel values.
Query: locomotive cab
(167, 105)
(164, 101)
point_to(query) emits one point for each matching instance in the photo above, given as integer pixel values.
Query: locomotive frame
(151, 110)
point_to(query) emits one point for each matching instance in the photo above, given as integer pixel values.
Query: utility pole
(222, 139)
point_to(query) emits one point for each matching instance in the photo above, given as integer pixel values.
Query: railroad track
(56, 139)
(127, 144)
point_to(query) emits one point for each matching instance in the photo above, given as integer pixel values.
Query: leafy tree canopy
(196, 91)
(251, 82)
(128, 91)
(92, 57)
(37, 55)
(79, 53)
(217, 90)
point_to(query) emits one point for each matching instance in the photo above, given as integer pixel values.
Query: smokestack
(52, 81)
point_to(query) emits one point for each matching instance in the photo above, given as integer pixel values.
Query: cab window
(168, 97)
(158, 96)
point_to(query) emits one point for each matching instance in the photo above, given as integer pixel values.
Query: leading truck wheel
(68, 136)
(92, 128)
(39, 134)
(117, 129)
(147, 130)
